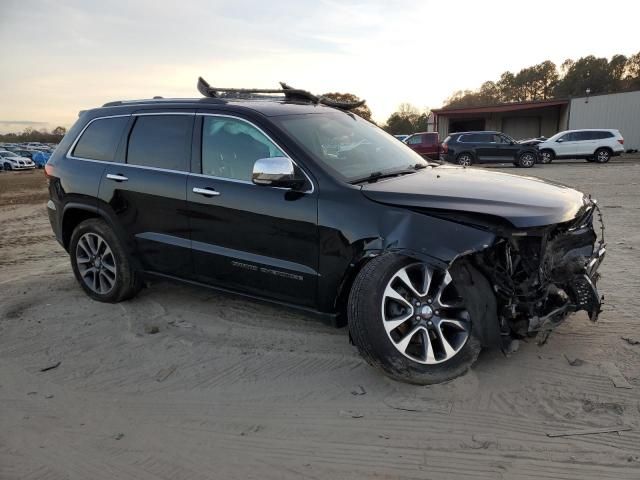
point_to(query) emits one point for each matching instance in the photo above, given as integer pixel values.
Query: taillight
(621, 141)
(445, 148)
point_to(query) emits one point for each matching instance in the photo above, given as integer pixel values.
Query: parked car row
(23, 156)
(468, 148)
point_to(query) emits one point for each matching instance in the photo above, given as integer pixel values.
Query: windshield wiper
(375, 176)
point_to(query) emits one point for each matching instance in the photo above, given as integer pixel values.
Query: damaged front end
(541, 275)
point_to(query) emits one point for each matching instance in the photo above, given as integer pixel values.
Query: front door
(507, 148)
(255, 239)
(147, 192)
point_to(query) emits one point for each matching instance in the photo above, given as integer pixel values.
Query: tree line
(32, 135)
(547, 81)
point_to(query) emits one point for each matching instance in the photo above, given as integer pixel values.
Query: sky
(60, 57)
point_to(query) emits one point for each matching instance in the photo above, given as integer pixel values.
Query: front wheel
(527, 160)
(100, 264)
(546, 156)
(602, 155)
(408, 319)
(7, 166)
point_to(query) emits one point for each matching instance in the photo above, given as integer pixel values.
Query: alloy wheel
(603, 156)
(423, 315)
(96, 263)
(546, 157)
(527, 160)
(464, 160)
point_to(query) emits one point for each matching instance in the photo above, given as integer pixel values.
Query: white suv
(594, 145)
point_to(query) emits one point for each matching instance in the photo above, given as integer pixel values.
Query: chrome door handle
(116, 177)
(207, 192)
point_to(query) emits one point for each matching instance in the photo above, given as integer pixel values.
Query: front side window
(230, 148)
(160, 141)
(351, 147)
(100, 139)
(415, 140)
(568, 137)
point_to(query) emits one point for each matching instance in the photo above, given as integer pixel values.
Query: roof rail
(290, 93)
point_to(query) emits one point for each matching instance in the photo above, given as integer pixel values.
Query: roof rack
(290, 93)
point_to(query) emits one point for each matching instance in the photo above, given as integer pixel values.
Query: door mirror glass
(277, 172)
(560, 140)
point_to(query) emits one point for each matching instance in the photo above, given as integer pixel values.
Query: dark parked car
(426, 144)
(467, 148)
(427, 264)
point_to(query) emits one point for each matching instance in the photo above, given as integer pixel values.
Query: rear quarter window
(100, 139)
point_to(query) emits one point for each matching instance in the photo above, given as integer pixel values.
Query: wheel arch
(74, 213)
(604, 147)
(469, 152)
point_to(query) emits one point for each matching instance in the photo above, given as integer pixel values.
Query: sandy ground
(230, 388)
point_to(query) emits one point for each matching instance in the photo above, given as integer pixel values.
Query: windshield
(352, 147)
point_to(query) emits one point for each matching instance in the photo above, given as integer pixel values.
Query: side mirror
(276, 172)
(560, 140)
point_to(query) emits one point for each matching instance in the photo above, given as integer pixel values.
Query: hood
(522, 201)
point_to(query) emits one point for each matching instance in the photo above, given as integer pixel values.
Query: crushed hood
(522, 201)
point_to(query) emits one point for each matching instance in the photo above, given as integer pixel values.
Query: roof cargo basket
(290, 93)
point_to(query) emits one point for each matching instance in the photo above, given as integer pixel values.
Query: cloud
(63, 56)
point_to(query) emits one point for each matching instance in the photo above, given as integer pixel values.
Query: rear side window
(160, 141)
(100, 139)
(430, 139)
(601, 135)
(415, 140)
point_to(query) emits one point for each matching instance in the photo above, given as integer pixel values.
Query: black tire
(465, 159)
(526, 160)
(368, 333)
(8, 167)
(602, 155)
(546, 156)
(127, 281)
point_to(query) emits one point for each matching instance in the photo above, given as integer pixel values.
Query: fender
(103, 211)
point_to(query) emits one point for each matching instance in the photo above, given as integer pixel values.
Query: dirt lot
(229, 388)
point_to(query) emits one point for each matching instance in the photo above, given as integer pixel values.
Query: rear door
(147, 191)
(430, 145)
(260, 240)
(585, 142)
(485, 146)
(507, 148)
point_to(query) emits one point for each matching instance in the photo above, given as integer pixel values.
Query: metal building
(613, 110)
(546, 117)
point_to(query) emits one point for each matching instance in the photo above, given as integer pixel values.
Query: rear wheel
(602, 155)
(527, 160)
(546, 156)
(465, 159)
(408, 319)
(100, 263)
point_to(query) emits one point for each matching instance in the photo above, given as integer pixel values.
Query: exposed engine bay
(541, 275)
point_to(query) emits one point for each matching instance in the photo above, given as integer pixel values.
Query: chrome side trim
(181, 172)
(150, 114)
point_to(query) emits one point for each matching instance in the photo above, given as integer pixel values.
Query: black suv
(293, 201)
(467, 148)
